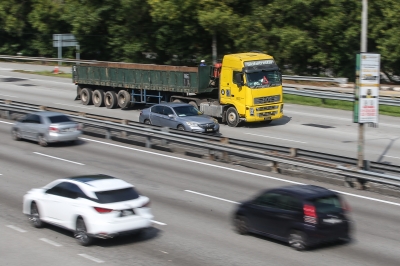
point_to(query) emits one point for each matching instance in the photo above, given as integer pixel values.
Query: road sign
(64, 40)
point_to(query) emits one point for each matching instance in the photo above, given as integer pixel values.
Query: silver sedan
(179, 116)
(46, 127)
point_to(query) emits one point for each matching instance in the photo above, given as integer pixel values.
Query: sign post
(64, 40)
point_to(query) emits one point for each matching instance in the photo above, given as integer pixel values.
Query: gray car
(46, 127)
(180, 116)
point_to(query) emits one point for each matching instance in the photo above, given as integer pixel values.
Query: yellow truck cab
(251, 85)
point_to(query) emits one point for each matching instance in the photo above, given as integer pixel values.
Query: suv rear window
(59, 119)
(118, 195)
(327, 204)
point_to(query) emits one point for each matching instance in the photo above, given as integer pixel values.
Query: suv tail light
(53, 129)
(102, 210)
(310, 214)
(345, 206)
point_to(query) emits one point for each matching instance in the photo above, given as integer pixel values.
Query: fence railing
(251, 154)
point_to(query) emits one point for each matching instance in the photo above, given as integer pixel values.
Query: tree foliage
(305, 36)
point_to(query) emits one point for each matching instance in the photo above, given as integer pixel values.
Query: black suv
(302, 215)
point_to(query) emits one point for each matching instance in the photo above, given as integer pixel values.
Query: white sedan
(93, 206)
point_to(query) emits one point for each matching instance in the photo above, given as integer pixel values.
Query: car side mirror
(239, 79)
(171, 116)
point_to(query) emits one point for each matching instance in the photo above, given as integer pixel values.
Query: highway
(192, 200)
(312, 128)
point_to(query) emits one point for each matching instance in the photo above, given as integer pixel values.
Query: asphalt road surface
(192, 201)
(318, 129)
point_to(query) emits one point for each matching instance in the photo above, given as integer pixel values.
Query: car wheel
(16, 134)
(182, 128)
(42, 141)
(147, 122)
(232, 117)
(34, 218)
(297, 240)
(81, 234)
(241, 225)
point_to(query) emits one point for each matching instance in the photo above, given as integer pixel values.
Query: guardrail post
(43, 108)
(225, 157)
(367, 165)
(108, 134)
(274, 167)
(293, 152)
(123, 133)
(148, 142)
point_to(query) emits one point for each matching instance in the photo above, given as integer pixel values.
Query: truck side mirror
(239, 79)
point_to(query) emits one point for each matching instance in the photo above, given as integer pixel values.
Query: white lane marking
(74, 105)
(209, 196)
(57, 158)
(160, 223)
(6, 122)
(275, 138)
(6, 95)
(235, 170)
(338, 118)
(391, 156)
(50, 242)
(91, 258)
(164, 252)
(16, 228)
(6, 69)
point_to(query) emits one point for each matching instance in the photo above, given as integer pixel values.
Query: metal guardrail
(318, 79)
(384, 100)
(214, 146)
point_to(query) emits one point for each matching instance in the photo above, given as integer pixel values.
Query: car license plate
(332, 221)
(69, 129)
(126, 213)
(209, 129)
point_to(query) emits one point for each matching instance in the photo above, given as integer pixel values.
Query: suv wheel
(241, 225)
(34, 218)
(297, 240)
(81, 234)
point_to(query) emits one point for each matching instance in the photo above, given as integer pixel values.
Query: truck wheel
(193, 103)
(98, 98)
(232, 117)
(110, 100)
(78, 92)
(86, 96)
(176, 101)
(124, 99)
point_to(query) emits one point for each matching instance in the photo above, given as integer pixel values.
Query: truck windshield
(263, 79)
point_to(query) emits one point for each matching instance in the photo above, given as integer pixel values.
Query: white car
(93, 206)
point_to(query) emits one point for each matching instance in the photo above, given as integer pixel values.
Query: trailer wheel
(78, 92)
(124, 99)
(176, 101)
(110, 100)
(232, 117)
(86, 96)
(193, 103)
(98, 98)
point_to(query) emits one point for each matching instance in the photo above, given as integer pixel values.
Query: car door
(33, 126)
(58, 204)
(70, 205)
(287, 212)
(168, 121)
(22, 126)
(260, 210)
(155, 113)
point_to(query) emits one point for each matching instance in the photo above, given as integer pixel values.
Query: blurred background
(306, 37)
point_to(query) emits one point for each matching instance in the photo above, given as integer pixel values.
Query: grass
(46, 73)
(336, 104)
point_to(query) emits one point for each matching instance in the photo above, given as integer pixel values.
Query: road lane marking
(91, 258)
(16, 228)
(74, 105)
(38, 153)
(160, 223)
(5, 95)
(4, 122)
(50, 242)
(275, 138)
(234, 170)
(391, 156)
(209, 196)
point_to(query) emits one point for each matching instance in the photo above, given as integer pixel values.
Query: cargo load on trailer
(244, 87)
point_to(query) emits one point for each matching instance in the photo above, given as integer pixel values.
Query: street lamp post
(364, 24)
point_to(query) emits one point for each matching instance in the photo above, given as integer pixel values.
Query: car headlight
(215, 121)
(192, 124)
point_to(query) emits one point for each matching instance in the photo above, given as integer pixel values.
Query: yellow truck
(245, 87)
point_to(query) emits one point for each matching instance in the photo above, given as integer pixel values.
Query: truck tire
(86, 96)
(176, 101)
(98, 98)
(193, 103)
(110, 99)
(232, 117)
(124, 99)
(78, 92)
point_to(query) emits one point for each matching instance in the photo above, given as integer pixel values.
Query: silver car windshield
(264, 79)
(186, 111)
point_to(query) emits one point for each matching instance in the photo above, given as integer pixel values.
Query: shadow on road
(280, 122)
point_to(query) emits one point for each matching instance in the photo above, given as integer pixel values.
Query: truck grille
(267, 114)
(267, 99)
(270, 107)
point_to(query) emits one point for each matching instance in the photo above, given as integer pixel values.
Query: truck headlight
(251, 111)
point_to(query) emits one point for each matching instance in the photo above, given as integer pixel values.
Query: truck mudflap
(78, 93)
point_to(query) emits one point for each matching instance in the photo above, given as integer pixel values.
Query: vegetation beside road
(46, 73)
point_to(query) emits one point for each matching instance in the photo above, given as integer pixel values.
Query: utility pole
(364, 27)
